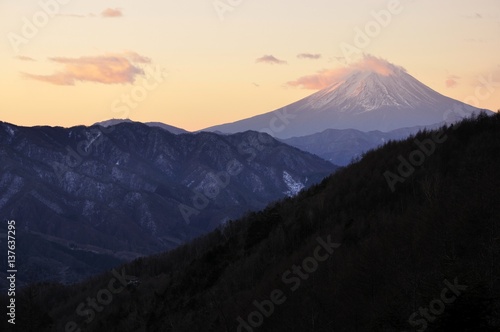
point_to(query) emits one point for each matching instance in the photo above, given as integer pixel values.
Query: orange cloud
(105, 69)
(112, 12)
(327, 77)
(270, 59)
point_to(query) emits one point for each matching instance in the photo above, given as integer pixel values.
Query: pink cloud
(112, 12)
(270, 59)
(327, 77)
(105, 69)
(452, 81)
(320, 80)
(135, 57)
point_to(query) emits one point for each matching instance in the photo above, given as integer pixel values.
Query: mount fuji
(370, 95)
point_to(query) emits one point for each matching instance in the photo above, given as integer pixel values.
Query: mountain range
(89, 197)
(342, 146)
(348, 254)
(120, 189)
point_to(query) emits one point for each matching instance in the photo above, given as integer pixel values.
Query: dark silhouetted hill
(426, 252)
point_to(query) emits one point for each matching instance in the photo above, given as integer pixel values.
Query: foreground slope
(422, 257)
(89, 197)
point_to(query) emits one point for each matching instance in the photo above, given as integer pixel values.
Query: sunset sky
(197, 63)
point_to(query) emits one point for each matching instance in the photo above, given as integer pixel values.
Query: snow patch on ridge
(15, 185)
(10, 131)
(294, 187)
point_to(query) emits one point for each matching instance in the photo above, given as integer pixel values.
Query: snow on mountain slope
(136, 190)
(379, 96)
(294, 187)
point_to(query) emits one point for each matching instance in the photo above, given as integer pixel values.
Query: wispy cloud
(270, 59)
(482, 16)
(452, 81)
(105, 69)
(319, 80)
(309, 56)
(326, 77)
(134, 57)
(73, 15)
(106, 13)
(24, 58)
(112, 12)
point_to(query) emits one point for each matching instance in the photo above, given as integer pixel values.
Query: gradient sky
(218, 66)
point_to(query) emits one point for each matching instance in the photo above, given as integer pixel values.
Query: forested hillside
(381, 245)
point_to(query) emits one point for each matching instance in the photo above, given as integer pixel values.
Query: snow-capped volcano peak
(362, 91)
(372, 94)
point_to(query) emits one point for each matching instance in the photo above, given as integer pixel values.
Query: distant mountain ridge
(169, 128)
(341, 146)
(132, 189)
